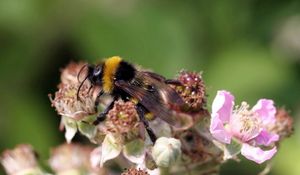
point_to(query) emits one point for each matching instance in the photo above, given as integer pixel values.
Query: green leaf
(86, 129)
(135, 151)
(230, 150)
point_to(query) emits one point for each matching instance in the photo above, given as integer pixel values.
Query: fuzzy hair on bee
(150, 91)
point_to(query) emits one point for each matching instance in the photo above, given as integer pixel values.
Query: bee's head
(94, 75)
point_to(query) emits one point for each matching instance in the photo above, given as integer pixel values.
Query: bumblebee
(149, 90)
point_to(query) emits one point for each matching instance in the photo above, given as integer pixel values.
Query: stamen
(245, 123)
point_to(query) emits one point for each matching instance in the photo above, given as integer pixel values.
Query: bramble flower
(123, 119)
(121, 132)
(192, 90)
(249, 127)
(67, 104)
(21, 161)
(65, 100)
(73, 110)
(73, 159)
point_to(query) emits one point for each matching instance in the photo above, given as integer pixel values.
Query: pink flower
(248, 126)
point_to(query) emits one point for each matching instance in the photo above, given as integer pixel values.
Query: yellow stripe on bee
(149, 116)
(134, 100)
(110, 67)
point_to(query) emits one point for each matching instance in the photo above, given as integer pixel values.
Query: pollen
(245, 123)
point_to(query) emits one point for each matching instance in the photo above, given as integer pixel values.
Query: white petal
(95, 157)
(223, 105)
(70, 127)
(111, 148)
(256, 154)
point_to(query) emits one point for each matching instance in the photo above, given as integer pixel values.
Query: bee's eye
(97, 71)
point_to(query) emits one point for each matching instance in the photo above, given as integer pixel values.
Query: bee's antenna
(78, 98)
(78, 75)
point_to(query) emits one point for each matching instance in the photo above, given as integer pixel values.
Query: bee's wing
(168, 94)
(152, 101)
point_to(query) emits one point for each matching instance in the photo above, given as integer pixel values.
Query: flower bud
(166, 151)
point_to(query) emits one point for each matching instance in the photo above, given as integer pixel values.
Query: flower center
(244, 123)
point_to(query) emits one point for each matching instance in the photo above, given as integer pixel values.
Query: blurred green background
(250, 47)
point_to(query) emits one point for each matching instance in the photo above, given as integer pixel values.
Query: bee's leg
(141, 112)
(173, 82)
(101, 116)
(97, 101)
